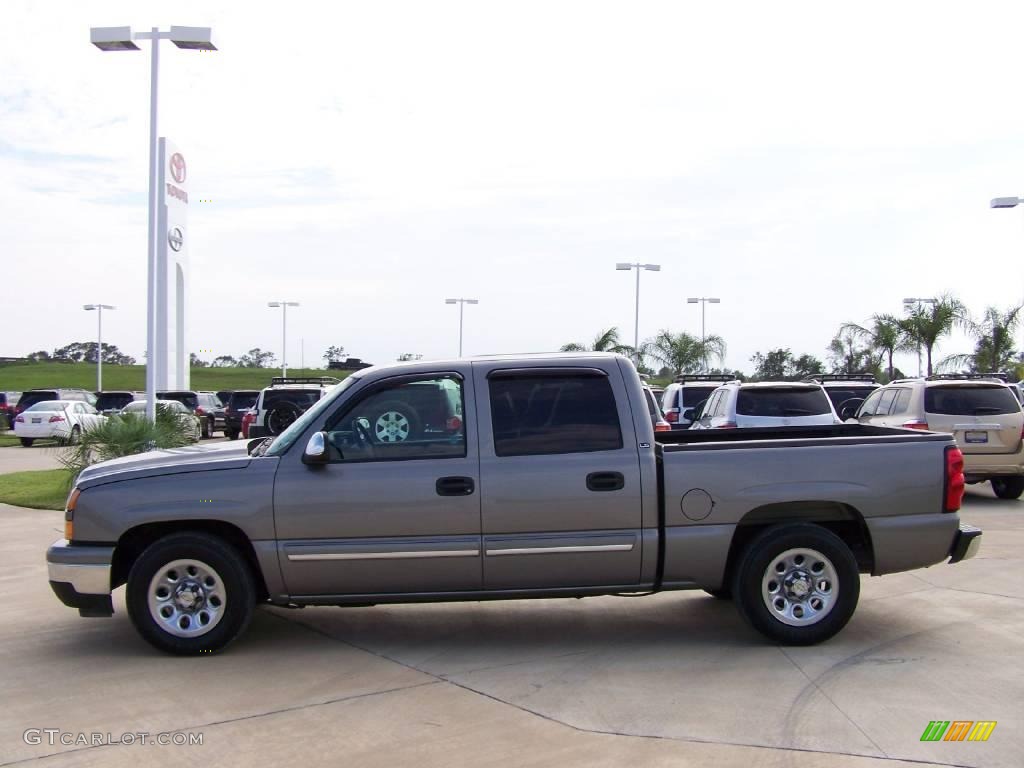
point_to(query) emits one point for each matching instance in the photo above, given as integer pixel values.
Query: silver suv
(979, 410)
(767, 404)
(285, 400)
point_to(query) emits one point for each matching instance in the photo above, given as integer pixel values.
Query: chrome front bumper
(80, 576)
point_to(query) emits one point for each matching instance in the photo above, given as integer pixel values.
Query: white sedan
(187, 417)
(63, 420)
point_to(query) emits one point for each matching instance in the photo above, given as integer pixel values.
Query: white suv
(846, 390)
(980, 411)
(686, 395)
(767, 404)
(285, 400)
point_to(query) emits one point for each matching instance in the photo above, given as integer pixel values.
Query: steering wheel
(362, 434)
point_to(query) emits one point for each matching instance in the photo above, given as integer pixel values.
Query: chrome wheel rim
(187, 598)
(391, 427)
(800, 587)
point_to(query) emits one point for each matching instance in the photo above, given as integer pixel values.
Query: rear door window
(548, 414)
(888, 397)
(970, 400)
(902, 403)
(694, 395)
(782, 402)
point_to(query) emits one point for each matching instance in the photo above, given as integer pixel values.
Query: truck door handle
(455, 486)
(605, 481)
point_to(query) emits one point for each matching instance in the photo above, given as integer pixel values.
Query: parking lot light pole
(622, 267)
(462, 303)
(912, 303)
(284, 331)
(703, 301)
(121, 39)
(98, 308)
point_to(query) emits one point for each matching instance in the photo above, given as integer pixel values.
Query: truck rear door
(559, 477)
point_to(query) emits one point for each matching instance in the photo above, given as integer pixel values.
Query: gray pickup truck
(506, 477)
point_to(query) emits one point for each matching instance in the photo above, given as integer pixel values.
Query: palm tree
(926, 326)
(606, 341)
(884, 335)
(683, 353)
(993, 335)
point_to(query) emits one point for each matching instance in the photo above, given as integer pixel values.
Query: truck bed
(765, 437)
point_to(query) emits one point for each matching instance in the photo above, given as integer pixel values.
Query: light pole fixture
(915, 303)
(284, 330)
(623, 267)
(1005, 202)
(462, 303)
(122, 39)
(98, 308)
(703, 301)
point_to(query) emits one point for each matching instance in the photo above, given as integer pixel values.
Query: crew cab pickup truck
(540, 477)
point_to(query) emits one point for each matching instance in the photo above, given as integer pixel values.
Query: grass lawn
(18, 377)
(42, 489)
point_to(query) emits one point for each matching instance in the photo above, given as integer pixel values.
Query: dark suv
(205, 405)
(33, 396)
(108, 402)
(240, 401)
(278, 405)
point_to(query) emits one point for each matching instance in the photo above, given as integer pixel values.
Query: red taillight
(21, 419)
(55, 419)
(915, 424)
(672, 417)
(662, 426)
(954, 478)
(454, 424)
(200, 411)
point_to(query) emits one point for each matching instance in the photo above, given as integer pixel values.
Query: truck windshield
(284, 441)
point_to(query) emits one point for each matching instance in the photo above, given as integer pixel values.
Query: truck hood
(168, 461)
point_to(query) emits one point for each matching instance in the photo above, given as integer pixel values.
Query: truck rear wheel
(190, 593)
(1008, 487)
(797, 584)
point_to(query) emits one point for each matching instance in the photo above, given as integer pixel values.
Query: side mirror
(316, 450)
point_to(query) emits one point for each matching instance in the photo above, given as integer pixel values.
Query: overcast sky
(809, 163)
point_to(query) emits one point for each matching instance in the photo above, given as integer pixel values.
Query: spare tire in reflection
(281, 416)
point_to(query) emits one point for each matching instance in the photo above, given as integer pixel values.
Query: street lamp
(462, 303)
(636, 320)
(121, 39)
(703, 301)
(284, 330)
(912, 303)
(98, 308)
(1005, 202)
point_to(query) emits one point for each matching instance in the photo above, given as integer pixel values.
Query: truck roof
(525, 357)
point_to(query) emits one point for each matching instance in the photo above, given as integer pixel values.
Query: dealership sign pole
(122, 39)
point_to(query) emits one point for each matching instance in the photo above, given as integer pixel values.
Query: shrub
(126, 435)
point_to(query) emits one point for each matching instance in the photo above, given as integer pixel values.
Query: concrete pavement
(674, 679)
(44, 455)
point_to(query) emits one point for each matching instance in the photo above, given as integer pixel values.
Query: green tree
(334, 354)
(781, 365)
(194, 361)
(925, 324)
(683, 353)
(884, 334)
(845, 356)
(224, 361)
(993, 335)
(256, 358)
(606, 341)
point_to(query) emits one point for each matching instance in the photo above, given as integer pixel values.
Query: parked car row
(983, 412)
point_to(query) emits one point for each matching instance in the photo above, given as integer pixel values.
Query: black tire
(281, 416)
(404, 412)
(1008, 487)
(204, 425)
(752, 571)
(239, 591)
(26, 442)
(230, 434)
(720, 594)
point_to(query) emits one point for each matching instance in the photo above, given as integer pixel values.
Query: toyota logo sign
(175, 238)
(178, 167)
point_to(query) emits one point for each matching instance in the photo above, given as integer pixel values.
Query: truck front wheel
(190, 593)
(797, 584)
